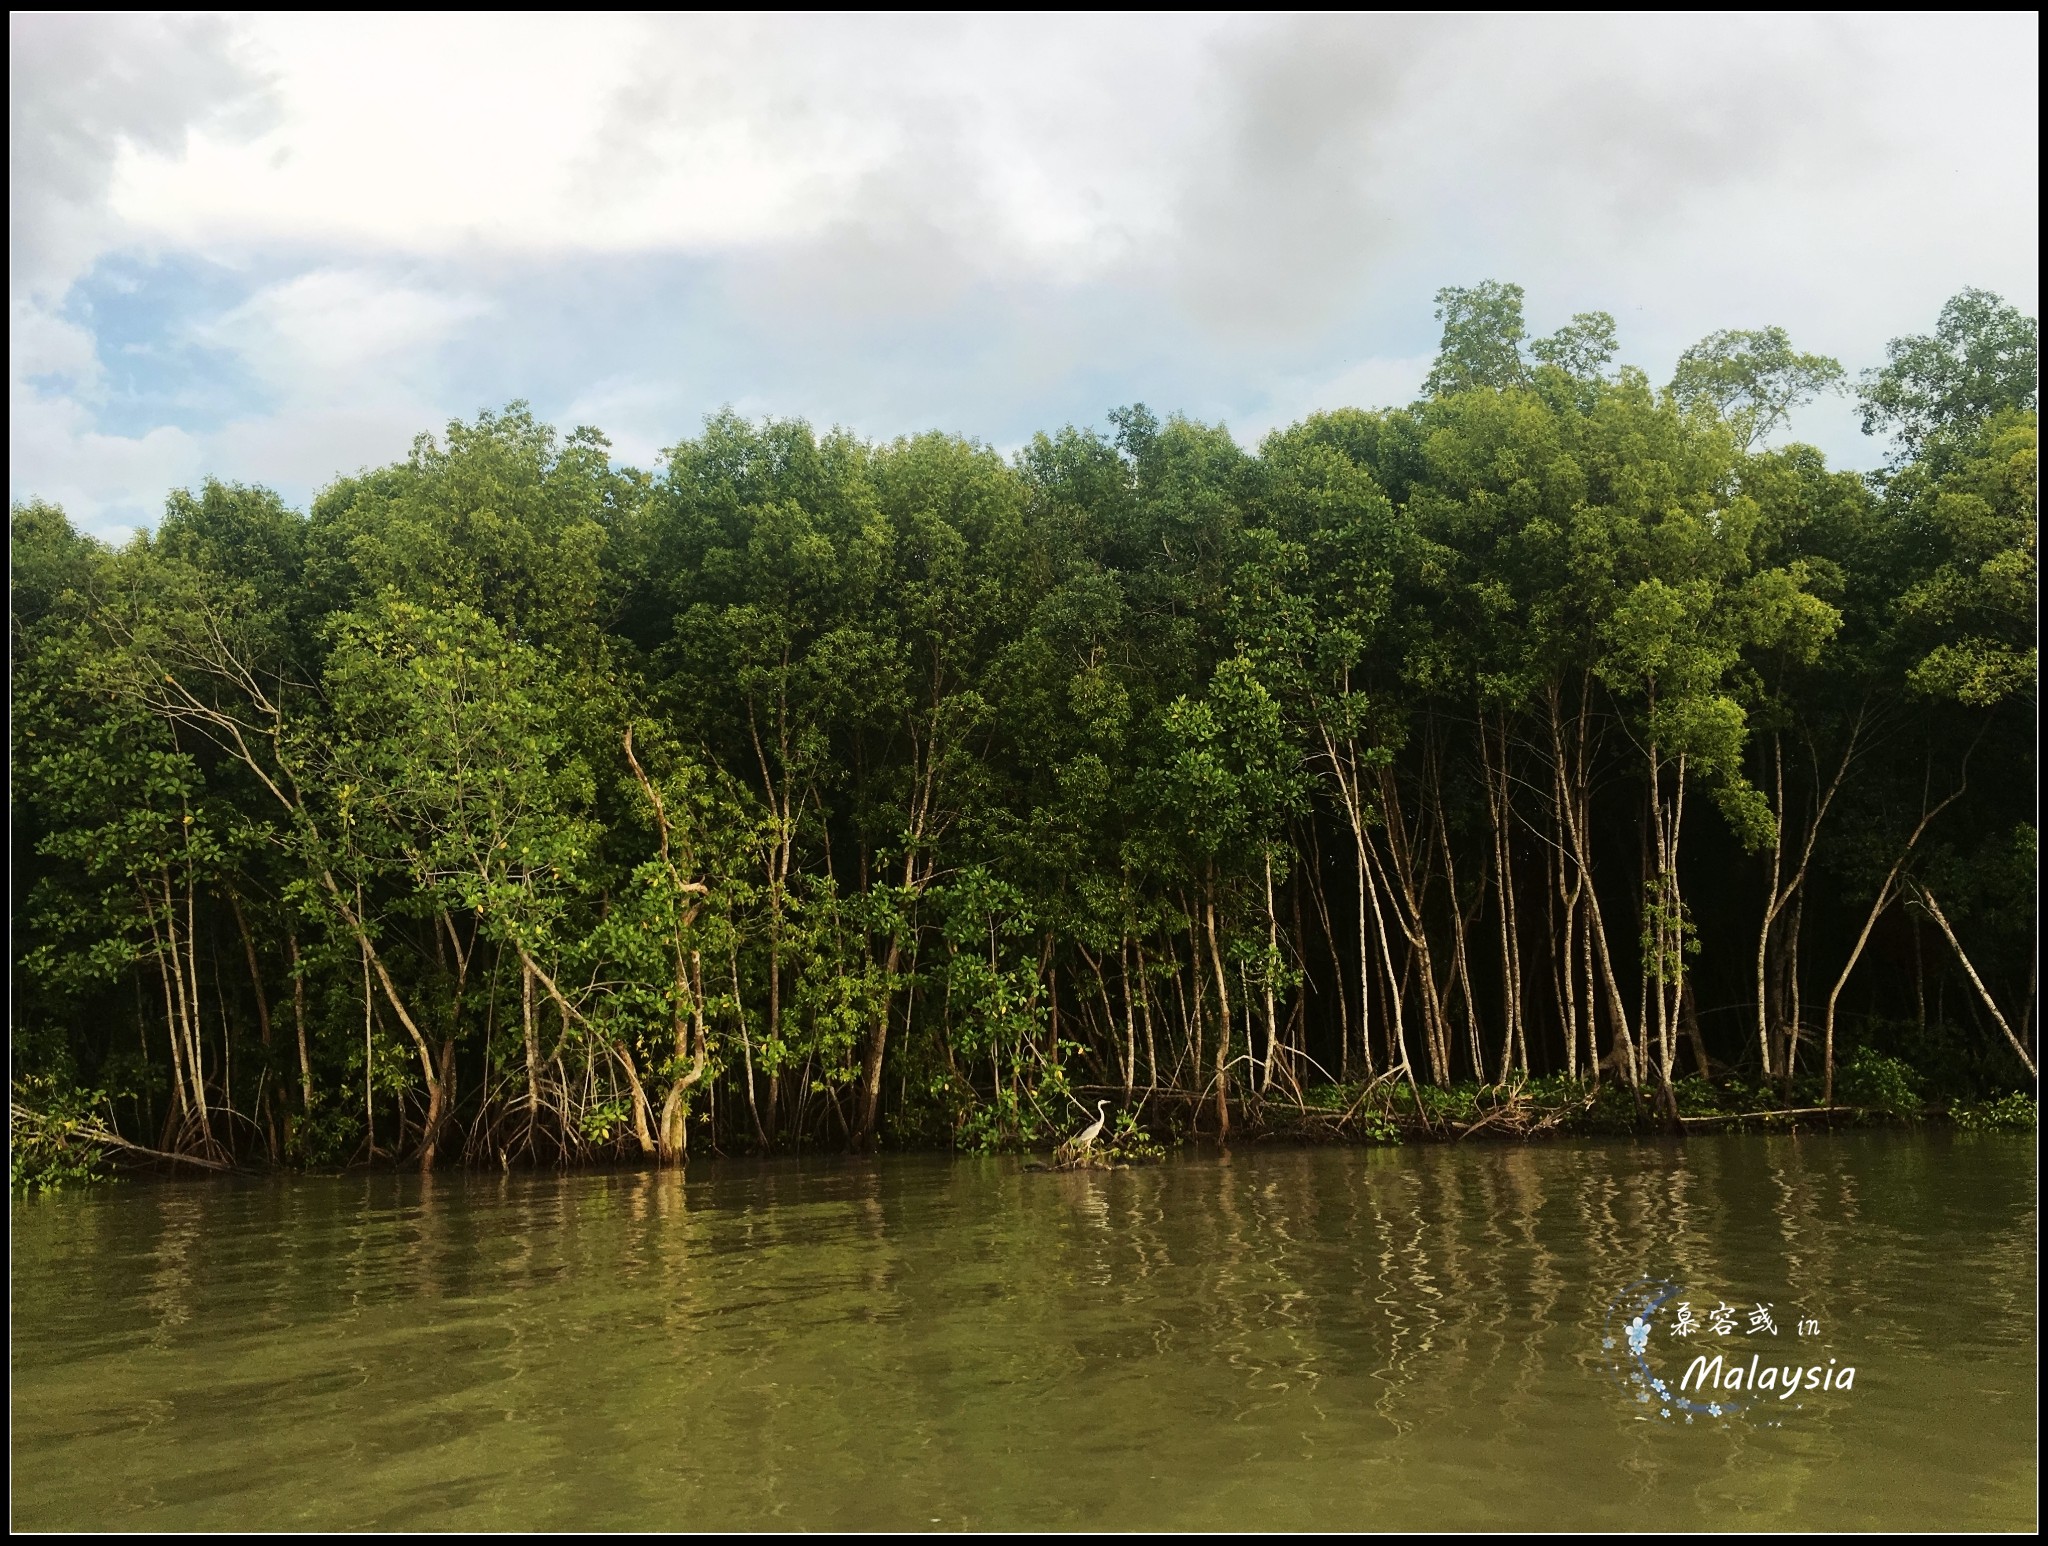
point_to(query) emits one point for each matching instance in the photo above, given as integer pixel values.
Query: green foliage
(2014, 1113)
(1974, 609)
(329, 1134)
(1376, 1126)
(1879, 1083)
(50, 1142)
(1482, 339)
(1614, 1109)
(1459, 1105)
(600, 1122)
(1981, 360)
(1007, 1121)
(1750, 380)
(1127, 1143)
(1695, 1097)
(1583, 348)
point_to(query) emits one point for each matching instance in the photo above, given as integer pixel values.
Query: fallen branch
(99, 1135)
(1750, 1116)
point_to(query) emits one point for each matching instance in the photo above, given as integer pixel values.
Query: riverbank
(1385, 1112)
(59, 1146)
(1877, 1092)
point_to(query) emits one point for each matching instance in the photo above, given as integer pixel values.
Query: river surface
(1274, 1339)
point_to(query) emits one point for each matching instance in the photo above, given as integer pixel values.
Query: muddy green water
(1392, 1338)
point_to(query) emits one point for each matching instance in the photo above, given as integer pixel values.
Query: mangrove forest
(1560, 732)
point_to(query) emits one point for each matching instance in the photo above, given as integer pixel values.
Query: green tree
(1982, 358)
(1751, 380)
(1482, 339)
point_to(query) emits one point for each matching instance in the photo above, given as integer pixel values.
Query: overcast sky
(275, 249)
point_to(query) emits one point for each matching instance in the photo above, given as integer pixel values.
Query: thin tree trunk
(262, 1010)
(1926, 900)
(369, 1053)
(299, 1020)
(1877, 906)
(1459, 962)
(1397, 1052)
(1573, 779)
(1145, 1014)
(1314, 866)
(746, 1050)
(1273, 1049)
(187, 997)
(1500, 810)
(181, 1100)
(1123, 957)
(1689, 1013)
(1399, 864)
(532, 1034)
(1789, 994)
(1222, 1032)
(1778, 898)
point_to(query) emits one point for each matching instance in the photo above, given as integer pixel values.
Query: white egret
(1092, 1131)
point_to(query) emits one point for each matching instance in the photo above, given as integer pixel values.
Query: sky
(275, 249)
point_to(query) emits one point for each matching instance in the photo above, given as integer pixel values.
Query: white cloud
(336, 331)
(307, 447)
(84, 89)
(110, 484)
(40, 343)
(898, 220)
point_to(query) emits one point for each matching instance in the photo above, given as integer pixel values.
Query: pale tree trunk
(920, 813)
(1399, 865)
(1667, 964)
(1781, 895)
(262, 1011)
(181, 1103)
(1191, 1009)
(1791, 1011)
(532, 1035)
(1222, 1031)
(369, 1054)
(183, 1019)
(1500, 813)
(1877, 907)
(747, 1050)
(687, 989)
(1145, 1014)
(1351, 795)
(1273, 1048)
(1123, 955)
(299, 1020)
(1573, 782)
(1322, 903)
(1397, 1054)
(1459, 963)
(374, 964)
(1566, 965)
(1926, 900)
(777, 863)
